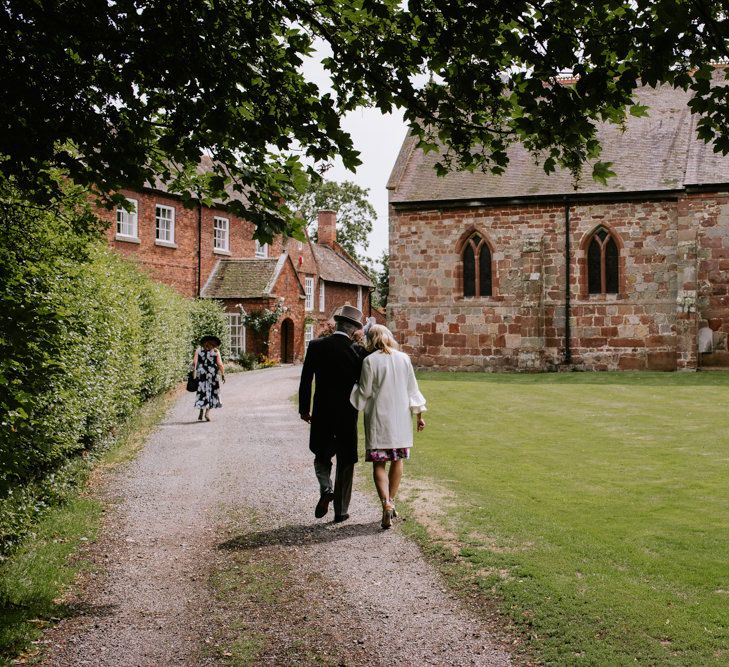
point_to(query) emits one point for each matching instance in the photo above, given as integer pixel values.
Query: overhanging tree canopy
(115, 92)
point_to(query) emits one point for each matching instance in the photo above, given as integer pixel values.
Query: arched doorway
(287, 341)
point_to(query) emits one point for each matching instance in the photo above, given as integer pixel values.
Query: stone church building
(528, 271)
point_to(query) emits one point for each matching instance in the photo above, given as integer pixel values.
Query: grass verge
(593, 507)
(36, 576)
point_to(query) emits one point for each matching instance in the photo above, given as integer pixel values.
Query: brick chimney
(327, 227)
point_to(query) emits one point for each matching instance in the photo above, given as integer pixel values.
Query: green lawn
(602, 500)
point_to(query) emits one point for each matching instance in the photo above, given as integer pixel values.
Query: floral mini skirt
(382, 455)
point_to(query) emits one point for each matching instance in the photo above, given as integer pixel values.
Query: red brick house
(525, 271)
(330, 276)
(247, 286)
(209, 252)
(308, 281)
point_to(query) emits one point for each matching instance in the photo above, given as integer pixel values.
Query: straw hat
(210, 339)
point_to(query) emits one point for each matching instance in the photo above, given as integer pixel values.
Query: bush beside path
(210, 555)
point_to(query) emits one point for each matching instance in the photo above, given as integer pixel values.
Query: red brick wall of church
(673, 260)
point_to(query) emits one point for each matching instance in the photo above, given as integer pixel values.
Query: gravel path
(200, 494)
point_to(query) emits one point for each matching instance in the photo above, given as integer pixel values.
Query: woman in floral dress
(209, 371)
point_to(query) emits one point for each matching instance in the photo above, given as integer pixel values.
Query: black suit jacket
(334, 363)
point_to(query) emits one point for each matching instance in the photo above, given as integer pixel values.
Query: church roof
(333, 267)
(659, 152)
(244, 278)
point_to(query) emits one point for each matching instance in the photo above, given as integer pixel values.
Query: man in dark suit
(334, 363)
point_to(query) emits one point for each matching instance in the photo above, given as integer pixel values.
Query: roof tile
(659, 152)
(243, 278)
(335, 268)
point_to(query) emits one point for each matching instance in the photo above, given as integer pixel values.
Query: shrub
(208, 319)
(247, 360)
(84, 337)
(165, 358)
(266, 362)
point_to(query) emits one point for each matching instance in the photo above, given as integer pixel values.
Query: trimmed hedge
(84, 338)
(208, 318)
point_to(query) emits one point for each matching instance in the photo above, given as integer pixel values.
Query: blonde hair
(379, 337)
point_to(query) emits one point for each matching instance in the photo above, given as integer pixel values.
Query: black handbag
(192, 381)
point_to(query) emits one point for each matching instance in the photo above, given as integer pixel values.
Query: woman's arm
(219, 362)
(194, 362)
(415, 398)
(362, 391)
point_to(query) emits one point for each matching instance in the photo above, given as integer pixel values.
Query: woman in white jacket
(389, 395)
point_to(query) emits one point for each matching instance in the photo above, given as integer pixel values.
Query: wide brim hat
(349, 314)
(210, 339)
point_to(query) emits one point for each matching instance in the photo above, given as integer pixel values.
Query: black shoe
(322, 507)
(338, 518)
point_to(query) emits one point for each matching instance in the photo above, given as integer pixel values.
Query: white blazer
(389, 395)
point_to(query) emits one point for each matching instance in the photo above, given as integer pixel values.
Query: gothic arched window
(476, 257)
(602, 263)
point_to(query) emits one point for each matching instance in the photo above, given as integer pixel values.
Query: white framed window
(126, 221)
(221, 233)
(164, 219)
(322, 297)
(309, 291)
(308, 335)
(261, 249)
(236, 333)
(359, 297)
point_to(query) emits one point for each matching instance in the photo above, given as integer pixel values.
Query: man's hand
(306, 417)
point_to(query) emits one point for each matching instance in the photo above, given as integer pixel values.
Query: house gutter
(199, 244)
(557, 199)
(567, 277)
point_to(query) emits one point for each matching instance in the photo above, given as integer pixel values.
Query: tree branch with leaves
(99, 91)
(355, 214)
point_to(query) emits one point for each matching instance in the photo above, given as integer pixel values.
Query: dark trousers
(342, 482)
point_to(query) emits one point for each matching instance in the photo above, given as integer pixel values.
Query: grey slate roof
(659, 152)
(335, 268)
(244, 278)
(205, 166)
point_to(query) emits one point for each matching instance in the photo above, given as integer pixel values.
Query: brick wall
(289, 295)
(176, 265)
(289, 288)
(710, 218)
(669, 249)
(335, 295)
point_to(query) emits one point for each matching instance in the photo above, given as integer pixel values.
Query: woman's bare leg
(379, 475)
(394, 478)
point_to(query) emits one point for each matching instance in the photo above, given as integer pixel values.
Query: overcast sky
(378, 138)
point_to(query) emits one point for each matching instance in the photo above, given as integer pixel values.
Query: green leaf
(638, 110)
(601, 172)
